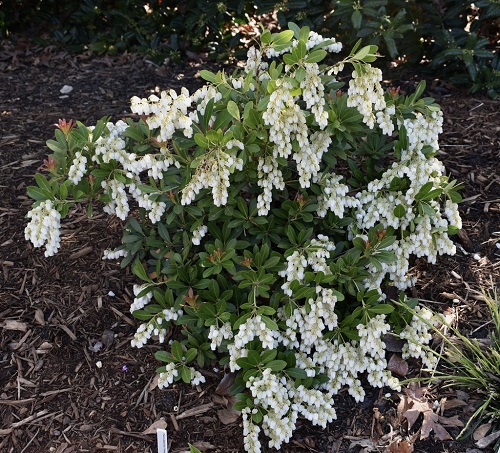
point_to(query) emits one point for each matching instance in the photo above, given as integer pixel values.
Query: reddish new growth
(394, 92)
(302, 201)
(190, 299)
(49, 164)
(65, 126)
(216, 256)
(247, 262)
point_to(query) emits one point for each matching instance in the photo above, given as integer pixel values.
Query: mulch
(62, 392)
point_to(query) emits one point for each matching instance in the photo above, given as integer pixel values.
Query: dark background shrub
(455, 39)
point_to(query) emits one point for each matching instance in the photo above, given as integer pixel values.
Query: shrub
(269, 215)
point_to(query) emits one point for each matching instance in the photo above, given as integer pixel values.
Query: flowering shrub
(268, 213)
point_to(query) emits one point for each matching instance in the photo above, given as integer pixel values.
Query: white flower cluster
(314, 255)
(423, 130)
(313, 93)
(269, 176)
(428, 236)
(201, 98)
(198, 234)
(372, 347)
(44, 227)
(308, 323)
(167, 112)
(77, 169)
(213, 172)
(254, 327)
(312, 404)
(282, 403)
(313, 40)
(119, 200)
(110, 146)
(152, 327)
(366, 94)
(251, 431)
(217, 334)
(140, 302)
(308, 157)
(167, 377)
(114, 254)
(271, 393)
(417, 334)
(334, 196)
(254, 60)
(286, 120)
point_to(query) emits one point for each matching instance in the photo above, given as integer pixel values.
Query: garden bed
(53, 312)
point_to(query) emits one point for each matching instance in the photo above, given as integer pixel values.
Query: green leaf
(186, 374)
(296, 373)
(270, 324)
(177, 351)
(283, 38)
(138, 270)
(304, 34)
(43, 183)
(276, 365)
(356, 19)
(316, 56)
(295, 28)
(266, 37)
(191, 355)
(38, 194)
(55, 146)
(208, 76)
(399, 211)
(382, 309)
(201, 140)
(163, 356)
(233, 110)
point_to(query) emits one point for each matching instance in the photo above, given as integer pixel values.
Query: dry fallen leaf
(431, 422)
(392, 343)
(12, 324)
(39, 317)
(488, 440)
(400, 446)
(225, 384)
(480, 432)
(450, 404)
(397, 365)
(158, 424)
(228, 416)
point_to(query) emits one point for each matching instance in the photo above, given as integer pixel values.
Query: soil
(54, 396)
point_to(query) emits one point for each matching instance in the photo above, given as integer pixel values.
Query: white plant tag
(161, 436)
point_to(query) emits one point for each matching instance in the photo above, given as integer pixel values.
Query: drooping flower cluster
(314, 255)
(77, 169)
(213, 172)
(417, 335)
(366, 94)
(44, 227)
(219, 333)
(334, 196)
(168, 112)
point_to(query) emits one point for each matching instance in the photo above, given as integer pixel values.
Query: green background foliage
(456, 39)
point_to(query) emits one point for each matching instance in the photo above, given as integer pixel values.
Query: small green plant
(471, 364)
(274, 209)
